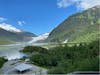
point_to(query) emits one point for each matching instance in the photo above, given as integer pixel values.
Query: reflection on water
(12, 51)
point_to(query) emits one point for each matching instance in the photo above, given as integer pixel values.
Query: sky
(40, 16)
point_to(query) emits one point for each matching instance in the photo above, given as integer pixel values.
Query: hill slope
(81, 27)
(9, 36)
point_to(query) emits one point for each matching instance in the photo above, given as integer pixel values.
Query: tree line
(65, 59)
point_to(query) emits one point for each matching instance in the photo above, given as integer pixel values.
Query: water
(13, 51)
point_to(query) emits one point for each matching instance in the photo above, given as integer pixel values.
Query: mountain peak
(9, 27)
(78, 28)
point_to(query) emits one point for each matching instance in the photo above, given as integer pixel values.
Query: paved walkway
(8, 68)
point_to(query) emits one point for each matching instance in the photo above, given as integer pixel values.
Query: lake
(12, 51)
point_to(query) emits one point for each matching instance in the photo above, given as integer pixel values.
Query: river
(12, 51)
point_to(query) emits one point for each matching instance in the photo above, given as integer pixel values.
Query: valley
(72, 46)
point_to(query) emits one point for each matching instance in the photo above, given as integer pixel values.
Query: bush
(65, 59)
(91, 64)
(57, 70)
(2, 61)
(43, 60)
(31, 49)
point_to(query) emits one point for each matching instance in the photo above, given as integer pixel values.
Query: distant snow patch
(9, 27)
(65, 41)
(40, 37)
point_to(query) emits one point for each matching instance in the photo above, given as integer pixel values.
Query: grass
(6, 42)
(87, 37)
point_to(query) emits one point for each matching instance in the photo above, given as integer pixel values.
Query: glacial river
(12, 51)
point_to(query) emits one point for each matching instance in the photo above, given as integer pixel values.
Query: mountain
(9, 27)
(40, 38)
(10, 34)
(80, 27)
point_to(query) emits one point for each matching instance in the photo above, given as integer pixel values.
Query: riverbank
(2, 61)
(13, 51)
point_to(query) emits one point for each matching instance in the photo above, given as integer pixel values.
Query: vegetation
(2, 61)
(5, 42)
(78, 28)
(7, 37)
(34, 49)
(65, 59)
(82, 30)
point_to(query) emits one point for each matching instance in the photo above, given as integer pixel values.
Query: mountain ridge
(78, 25)
(13, 36)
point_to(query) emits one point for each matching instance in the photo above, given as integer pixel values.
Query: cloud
(21, 23)
(80, 4)
(63, 3)
(2, 19)
(85, 4)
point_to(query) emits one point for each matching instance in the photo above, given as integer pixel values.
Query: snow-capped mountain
(39, 38)
(9, 27)
(12, 34)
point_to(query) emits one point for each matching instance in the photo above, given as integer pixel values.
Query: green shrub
(2, 61)
(91, 64)
(31, 49)
(65, 59)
